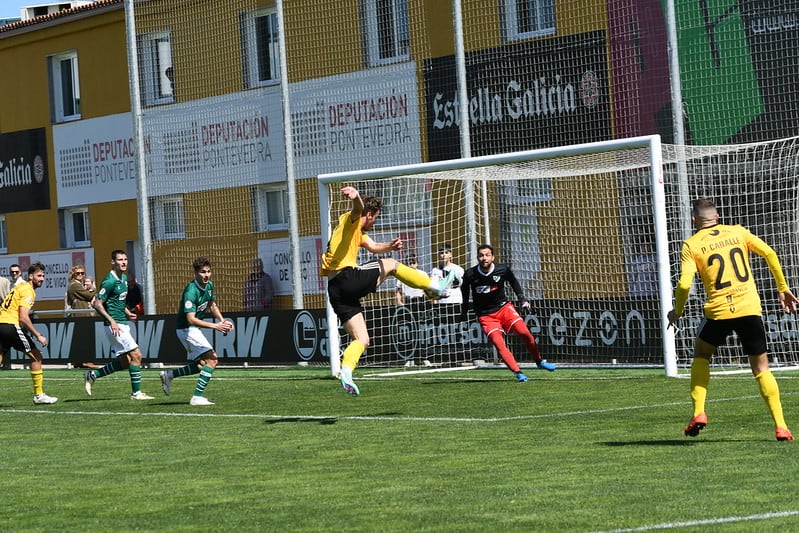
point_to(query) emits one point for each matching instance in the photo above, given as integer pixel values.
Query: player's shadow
(87, 399)
(324, 421)
(460, 381)
(666, 442)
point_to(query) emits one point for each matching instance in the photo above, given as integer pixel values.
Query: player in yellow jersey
(348, 282)
(14, 315)
(720, 253)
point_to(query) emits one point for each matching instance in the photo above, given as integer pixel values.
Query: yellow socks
(700, 378)
(770, 392)
(352, 354)
(412, 277)
(38, 379)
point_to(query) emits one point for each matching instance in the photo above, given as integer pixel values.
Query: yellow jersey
(342, 248)
(721, 254)
(21, 295)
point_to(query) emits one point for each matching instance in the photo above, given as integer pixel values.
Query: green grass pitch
(289, 450)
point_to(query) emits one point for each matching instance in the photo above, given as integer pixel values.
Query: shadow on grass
(667, 442)
(285, 378)
(101, 400)
(459, 381)
(173, 402)
(87, 399)
(324, 421)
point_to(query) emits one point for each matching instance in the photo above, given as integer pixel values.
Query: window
(3, 235)
(169, 219)
(270, 207)
(64, 86)
(528, 18)
(74, 226)
(259, 37)
(386, 31)
(155, 60)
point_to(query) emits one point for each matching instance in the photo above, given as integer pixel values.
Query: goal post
(583, 227)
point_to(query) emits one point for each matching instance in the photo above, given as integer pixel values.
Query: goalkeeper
(720, 253)
(348, 282)
(495, 313)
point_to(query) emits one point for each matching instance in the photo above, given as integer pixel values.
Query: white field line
(713, 373)
(705, 522)
(423, 371)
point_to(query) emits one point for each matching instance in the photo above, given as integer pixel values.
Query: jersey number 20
(738, 262)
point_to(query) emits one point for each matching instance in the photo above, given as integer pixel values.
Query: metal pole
(465, 136)
(145, 240)
(333, 337)
(662, 250)
(294, 232)
(678, 123)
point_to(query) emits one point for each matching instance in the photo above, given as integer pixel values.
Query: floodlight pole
(142, 196)
(291, 182)
(465, 134)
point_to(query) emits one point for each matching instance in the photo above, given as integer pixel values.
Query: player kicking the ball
(495, 313)
(348, 282)
(198, 301)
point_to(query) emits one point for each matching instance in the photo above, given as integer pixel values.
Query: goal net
(755, 185)
(576, 224)
(593, 232)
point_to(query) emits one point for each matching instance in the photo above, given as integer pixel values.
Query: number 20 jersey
(721, 255)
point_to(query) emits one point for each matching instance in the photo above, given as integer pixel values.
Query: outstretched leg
(414, 278)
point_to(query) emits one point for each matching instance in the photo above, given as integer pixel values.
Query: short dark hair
(445, 248)
(701, 204)
(35, 267)
(115, 253)
(486, 246)
(412, 258)
(372, 204)
(201, 262)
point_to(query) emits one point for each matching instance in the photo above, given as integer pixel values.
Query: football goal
(583, 227)
(593, 232)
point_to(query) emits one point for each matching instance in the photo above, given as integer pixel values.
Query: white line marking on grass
(423, 371)
(378, 418)
(707, 522)
(349, 417)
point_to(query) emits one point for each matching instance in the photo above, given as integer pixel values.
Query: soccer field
(288, 450)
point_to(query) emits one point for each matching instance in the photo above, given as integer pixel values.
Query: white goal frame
(652, 143)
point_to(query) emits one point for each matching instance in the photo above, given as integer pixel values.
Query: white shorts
(195, 342)
(122, 343)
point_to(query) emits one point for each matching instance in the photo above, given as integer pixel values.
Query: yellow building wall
(317, 48)
(572, 18)
(102, 62)
(322, 39)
